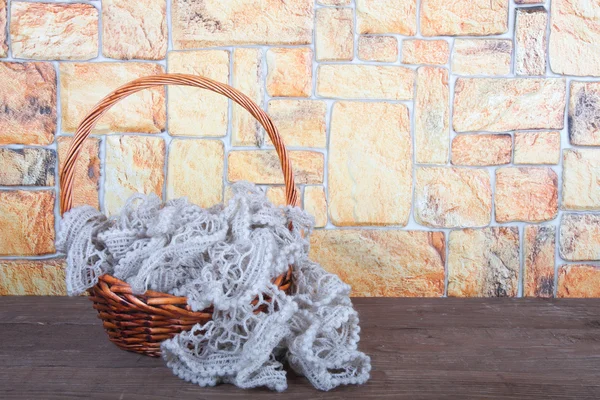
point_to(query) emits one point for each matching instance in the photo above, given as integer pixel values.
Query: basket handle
(88, 123)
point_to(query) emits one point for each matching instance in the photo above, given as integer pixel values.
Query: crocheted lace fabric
(226, 256)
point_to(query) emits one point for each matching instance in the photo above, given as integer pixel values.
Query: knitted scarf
(226, 256)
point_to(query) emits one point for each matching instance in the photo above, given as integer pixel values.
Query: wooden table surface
(55, 348)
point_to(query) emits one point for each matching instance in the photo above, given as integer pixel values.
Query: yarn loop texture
(226, 256)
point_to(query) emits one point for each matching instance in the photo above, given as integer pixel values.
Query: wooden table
(55, 348)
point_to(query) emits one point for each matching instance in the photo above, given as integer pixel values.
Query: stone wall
(445, 148)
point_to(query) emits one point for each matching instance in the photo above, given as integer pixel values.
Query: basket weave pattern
(139, 323)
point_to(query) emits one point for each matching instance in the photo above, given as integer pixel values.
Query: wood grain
(55, 348)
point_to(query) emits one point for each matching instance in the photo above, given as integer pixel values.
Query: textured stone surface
(370, 164)
(289, 72)
(391, 16)
(83, 85)
(3, 28)
(537, 147)
(538, 255)
(247, 77)
(580, 237)
(417, 51)
(300, 122)
(530, 41)
(334, 37)
(584, 113)
(87, 171)
(499, 105)
(574, 37)
(581, 174)
(193, 111)
(526, 194)
(27, 167)
(578, 280)
(264, 167)
(383, 263)
(45, 31)
(334, 2)
(529, 1)
(26, 223)
(276, 195)
(378, 48)
(452, 197)
(464, 17)
(195, 171)
(483, 262)
(432, 113)
(32, 277)
(481, 56)
(134, 164)
(27, 103)
(198, 24)
(315, 203)
(134, 29)
(365, 82)
(482, 149)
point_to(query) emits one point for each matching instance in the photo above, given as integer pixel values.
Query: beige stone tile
(483, 262)
(584, 113)
(505, 104)
(27, 103)
(3, 28)
(134, 29)
(580, 237)
(300, 122)
(87, 171)
(539, 256)
(208, 23)
(464, 17)
(418, 51)
(134, 164)
(578, 281)
(482, 56)
(27, 167)
(247, 78)
(482, 149)
(334, 37)
(315, 203)
(264, 167)
(276, 195)
(529, 1)
(348, 81)
(194, 111)
(378, 48)
(432, 116)
(526, 194)
(581, 174)
(195, 171)
(537, 147)
(33, 277)
(531, 41)
(389, 263)
(26, 223)
(452, 197)
(391, 16)
(289, 72)
(574, 37)
(82, 85)
(334, 2)
(370, 164)
(46, 31)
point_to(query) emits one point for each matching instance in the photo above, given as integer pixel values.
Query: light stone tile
(377, 263)
(33, 277)
(539, 256)
(418, 51)
(482, 56)
(581, 174)
(247, 78)
(300, 122)
(334, 38)
(195, 170)
(3, 28)
(531, 41)
(86, 177)
(579, 281)
(378, 48)
(315, 203)
(580, 237)
(370, 164)
(584, 113)
(464, 17)
(289, 72)
(391, 16)
(194, 111)
(481, 149)
(27, 167)
(264, 167)
(537, 147)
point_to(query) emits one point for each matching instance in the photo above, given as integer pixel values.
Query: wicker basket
(139, 323)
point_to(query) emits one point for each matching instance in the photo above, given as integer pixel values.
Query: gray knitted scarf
(226, 256)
